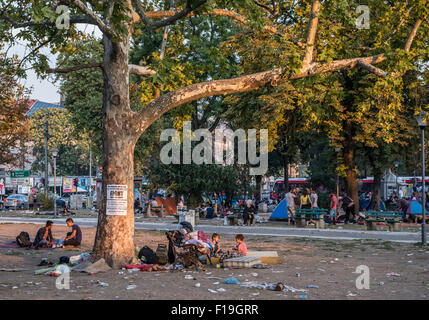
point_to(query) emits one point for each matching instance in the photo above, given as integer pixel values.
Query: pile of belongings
(79, 263)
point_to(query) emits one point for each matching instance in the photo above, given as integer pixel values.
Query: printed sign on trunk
(116, 204)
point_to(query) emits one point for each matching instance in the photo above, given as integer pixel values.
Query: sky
(45, 90)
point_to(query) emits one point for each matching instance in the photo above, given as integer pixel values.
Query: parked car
(18, 201)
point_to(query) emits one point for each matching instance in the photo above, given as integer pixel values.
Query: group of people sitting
(209, 247)
(44, 238)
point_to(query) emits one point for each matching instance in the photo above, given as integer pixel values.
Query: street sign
(20, 174)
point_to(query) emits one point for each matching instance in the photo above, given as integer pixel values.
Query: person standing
(313, 199)
(290, 200)
(333, 208)
(305, 200)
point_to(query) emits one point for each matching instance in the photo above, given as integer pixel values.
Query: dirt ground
(330, 265)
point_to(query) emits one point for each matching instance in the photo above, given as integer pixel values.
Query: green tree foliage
(73, 146)
(14, 127)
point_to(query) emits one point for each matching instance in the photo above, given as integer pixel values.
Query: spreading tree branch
(372, 69)
(76, 68)
(311, 34)
(413, 34)
(214, 12)
(140, 70)
(82, 18)
(108, 31)
(170, 100)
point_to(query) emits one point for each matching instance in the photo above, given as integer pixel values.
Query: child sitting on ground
(216, 247)
(241, 247)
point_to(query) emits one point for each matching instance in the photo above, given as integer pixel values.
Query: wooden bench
(392, 218)
(316, 215)
(233, 218)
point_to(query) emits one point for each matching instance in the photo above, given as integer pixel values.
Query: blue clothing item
(78, 236)
(333, 213)
(210, 213)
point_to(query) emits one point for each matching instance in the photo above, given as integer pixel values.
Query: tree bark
(286, 171)
(376, 196)
(114, 238)
(349, 161)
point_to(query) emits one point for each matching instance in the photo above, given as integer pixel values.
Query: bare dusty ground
(330, 265)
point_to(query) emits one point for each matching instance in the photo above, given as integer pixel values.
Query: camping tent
(367, 203)
(280, 212)
(415, 207)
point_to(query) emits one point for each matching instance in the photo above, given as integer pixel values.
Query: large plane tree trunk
(114, 237)
(349, 161)
(376, 196)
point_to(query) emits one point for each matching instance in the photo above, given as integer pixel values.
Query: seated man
(44, 237)
(73, 238)
(210, 212)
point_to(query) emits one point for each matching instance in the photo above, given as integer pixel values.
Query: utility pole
(46, 154)
(90, 178)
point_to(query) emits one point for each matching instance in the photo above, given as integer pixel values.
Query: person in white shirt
(401, 193)
(290, 205)
(313, 199)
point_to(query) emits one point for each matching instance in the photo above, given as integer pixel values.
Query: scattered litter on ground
(231, 280)
(102, 284)
(189, 277)
(303, 296)
(198, 284)
(320, 269)
(217, 282)
(313, 286)
(410, 261)
(393, 274)
(254, 274)
(212, 291)
(278, 271)
(221, 290)
(381, 283)
(272, 286)
(298, 275)
(350, 294)
(131, 287)
(12, 270)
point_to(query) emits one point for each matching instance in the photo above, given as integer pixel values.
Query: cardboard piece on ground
(268, 257)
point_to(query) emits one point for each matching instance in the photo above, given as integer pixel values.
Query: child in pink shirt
(241, 247)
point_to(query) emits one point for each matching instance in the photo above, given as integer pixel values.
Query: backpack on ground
(23, 240)
(162, 254)
(147, 255)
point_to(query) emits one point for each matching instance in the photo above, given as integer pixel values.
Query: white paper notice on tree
(116, 200)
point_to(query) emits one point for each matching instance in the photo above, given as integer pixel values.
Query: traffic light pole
(46, 154)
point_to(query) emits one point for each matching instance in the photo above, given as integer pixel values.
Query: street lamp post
(54, 155)
(396, 163)
(422, 125)
(337, 150)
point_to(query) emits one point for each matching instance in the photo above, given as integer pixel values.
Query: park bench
(316, 215)
(392, 218)
(233, 218)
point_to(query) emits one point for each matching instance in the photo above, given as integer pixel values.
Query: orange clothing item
(242, 249)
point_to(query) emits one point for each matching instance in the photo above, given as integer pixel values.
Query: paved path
(334, 234)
